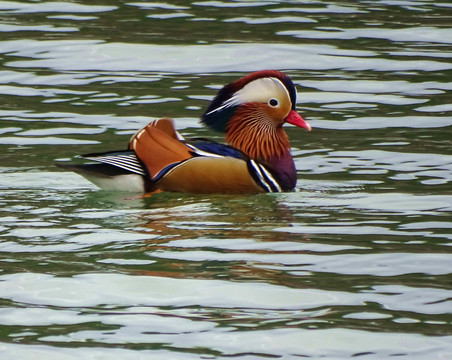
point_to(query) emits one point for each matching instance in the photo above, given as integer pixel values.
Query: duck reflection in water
(216, 236)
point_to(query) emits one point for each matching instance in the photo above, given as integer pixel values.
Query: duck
(256, 157)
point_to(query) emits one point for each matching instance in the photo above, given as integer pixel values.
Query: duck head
(252, 110)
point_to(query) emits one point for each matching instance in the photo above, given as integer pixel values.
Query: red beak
(295, 119)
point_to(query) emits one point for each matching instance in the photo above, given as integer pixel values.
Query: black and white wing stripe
(263, 177)
(124, 160)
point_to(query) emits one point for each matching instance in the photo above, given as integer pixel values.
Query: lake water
(356, 263)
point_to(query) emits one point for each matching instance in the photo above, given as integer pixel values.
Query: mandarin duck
(257, 158)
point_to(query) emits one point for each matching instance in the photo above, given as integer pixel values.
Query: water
(355, 263)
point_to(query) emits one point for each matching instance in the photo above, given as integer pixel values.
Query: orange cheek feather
(254, 132)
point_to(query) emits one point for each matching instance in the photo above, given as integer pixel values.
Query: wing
(158, 149)
(197, 167)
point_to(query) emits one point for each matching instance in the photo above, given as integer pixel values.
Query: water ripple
(59, 55)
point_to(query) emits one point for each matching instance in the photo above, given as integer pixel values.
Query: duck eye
(273, 102)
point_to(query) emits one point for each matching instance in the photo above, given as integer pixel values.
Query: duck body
(256, 158)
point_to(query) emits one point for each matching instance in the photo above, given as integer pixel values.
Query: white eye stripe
(261, 90)
(233, 101)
